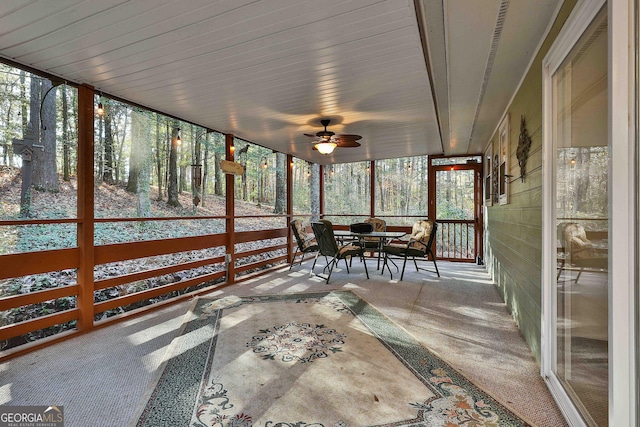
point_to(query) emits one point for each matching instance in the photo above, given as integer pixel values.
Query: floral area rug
(307, 360)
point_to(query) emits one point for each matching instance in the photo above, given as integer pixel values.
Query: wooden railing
(455, 240)
(42, 262)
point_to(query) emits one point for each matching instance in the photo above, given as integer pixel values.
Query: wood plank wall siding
(513, 251)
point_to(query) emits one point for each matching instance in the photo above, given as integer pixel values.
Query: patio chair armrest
(416, 242)
(398, 241)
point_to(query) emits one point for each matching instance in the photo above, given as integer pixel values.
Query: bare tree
(135, 160)
(314, 192)
(66, 161)
(217, 171)
(205, 167)
(197, 160)
(281, 184)
(142, 148)
(107, 173)
(172, 182)
(159, 152)
(45, 173)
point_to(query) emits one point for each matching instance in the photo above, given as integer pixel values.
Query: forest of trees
(152, 155)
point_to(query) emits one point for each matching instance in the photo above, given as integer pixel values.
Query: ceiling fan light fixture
(326, 147)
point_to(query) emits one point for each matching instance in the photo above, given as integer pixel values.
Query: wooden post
(289, 206)
(85, 207)
(230, 212)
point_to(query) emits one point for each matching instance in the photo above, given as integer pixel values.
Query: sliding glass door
(578, 218)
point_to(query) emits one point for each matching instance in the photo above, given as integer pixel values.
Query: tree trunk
(281, 184)
(381, 195)
(582, 202)
(140, 145)
(24, 107)
(34, 110)
(205, 169)
(7, 146)
(45, 173)
(244, 180)
(197, 160)
(167, 135)
(66, 162)
(107, 174)
(314, 192)
(172, 183)
(119, 162)
(182, 180)
(217, 173)
(159, 152)
(135, 162)
(99, 147)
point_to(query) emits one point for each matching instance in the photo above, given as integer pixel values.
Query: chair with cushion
(305, 243)
(328, 247)
(579, 251)
(374, 244)
(420, 244)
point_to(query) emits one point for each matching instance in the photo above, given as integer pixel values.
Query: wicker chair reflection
(578, 252)
(305, 243)
(420, 244)
(328, 247)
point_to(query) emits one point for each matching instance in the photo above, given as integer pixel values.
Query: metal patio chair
(305, 243)
(420, 245)
(328, 247)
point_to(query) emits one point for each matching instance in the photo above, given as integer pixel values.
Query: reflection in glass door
(580, 138)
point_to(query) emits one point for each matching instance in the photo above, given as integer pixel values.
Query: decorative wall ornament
(504, 152)
(524, 143)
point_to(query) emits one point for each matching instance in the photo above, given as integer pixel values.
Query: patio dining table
(383, 237)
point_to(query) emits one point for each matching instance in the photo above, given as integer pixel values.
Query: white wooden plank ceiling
(269, 70)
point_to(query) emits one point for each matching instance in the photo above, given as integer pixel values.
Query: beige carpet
(104, 375)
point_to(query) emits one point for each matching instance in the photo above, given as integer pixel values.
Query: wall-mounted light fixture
(178, 139)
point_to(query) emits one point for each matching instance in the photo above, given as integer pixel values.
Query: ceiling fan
(326, 141)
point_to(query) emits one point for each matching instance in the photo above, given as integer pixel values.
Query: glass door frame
(623, 264)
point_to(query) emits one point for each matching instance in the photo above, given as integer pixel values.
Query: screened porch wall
(513, 231)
